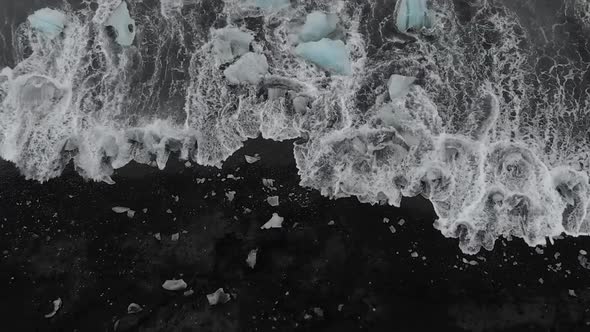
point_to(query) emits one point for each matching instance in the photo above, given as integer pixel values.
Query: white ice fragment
(188, 292)
(329, 54)
(412, 14)
(175, 237)
(571, 292)
(392, 229)
(144, 210)
(174, 285)
(188, 164)
(272, 4)
(541, 281)
(317, 26)
(123, 24)
(49, 22)
(273, 200)
(398, 85)
(340, 306)
(386, 220)
(275, 221)
(134, 308)
(401, 222)
(120, 209)
(251, 260)
(56, 306)
(583, 252)
(230, 43)
(158, 236)
(130, 213)
(250, 68)
(230, 195)
(318, 312)
(331, 223)
(269, 183)
(218, 297)
(252, 159)
(414, 254)
(539, 250)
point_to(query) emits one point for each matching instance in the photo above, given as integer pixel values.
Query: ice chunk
(413, 14)
(275, 222)
(230, 43)
(251, 260)
(328, 54)
(317, 26)
(173, 285)
(134, 308)
(56, 306)
(174, 237)
(252, 159)
(123, 24)
(218, 297)
(250, 68)
(399, 85)
(49, 22)
(273, 200)
(120, 209)
(272, 4)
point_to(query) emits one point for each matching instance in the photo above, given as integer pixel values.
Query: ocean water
(494, 130)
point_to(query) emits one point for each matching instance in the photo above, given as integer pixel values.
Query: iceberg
(272, 4)
(317, 26)
(49, 22)
(413, 14)
(230, 43)
(399, 85)
(250, 68)
(123, 24)
(328, 54)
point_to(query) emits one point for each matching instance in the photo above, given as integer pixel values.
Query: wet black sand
(62, 239)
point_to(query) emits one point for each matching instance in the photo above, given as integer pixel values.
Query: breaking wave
(492, 127)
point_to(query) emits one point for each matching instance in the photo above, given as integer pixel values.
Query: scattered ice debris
(272, 4)
(230, 43)
(329, 54)
(230, 195)
(123, 25)
(539, 250)
(201, 180)
(49, 22)
(331, 223)
(470, 262)
(584, 262)
(249, 68)
(174, 285)
(188, 292)
(318, 312)
(134, 308)
(412, 14)
(583, 252)
(174, 237)
(56, 306)
(318, 25)
(340, 306)
(273, 200)
(218, 297)
(401, 222)
(392, 229)
(130, 213)
(414, 254)
(572, 293)
(541, 281)
(252, 159)
(275, 221)
(188, 164)
(386, 220)
(158, 236)
(251, 260)
(269, 183)
(120, 209)
(398, 85)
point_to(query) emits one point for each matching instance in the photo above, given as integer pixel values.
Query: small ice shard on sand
(188, 292)
(269, 183)
(174, 285)
(250, 68)
(386, 220)
(134, 308)
(329, 54)
(123, 25)
(174, 237)
(273, 200)
(130, 213)
(392, 229)
(120, 209)
(272, 4)
(230, 195)
(414, 254)
(401, 222)
(318, 25)
(275, 221)
(49, 22)
(230, 43)
(56, 306)
(572, 293)
(158, 236)
(251, 260)
(399, 85)
(412, 14)
(218, 297)
(331, 223)
(252, 159)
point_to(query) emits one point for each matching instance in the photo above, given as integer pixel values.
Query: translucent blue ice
(317, 26)
(123, 24)
(272, 4)
(49, 22)
(328, 54)
(413, 14)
